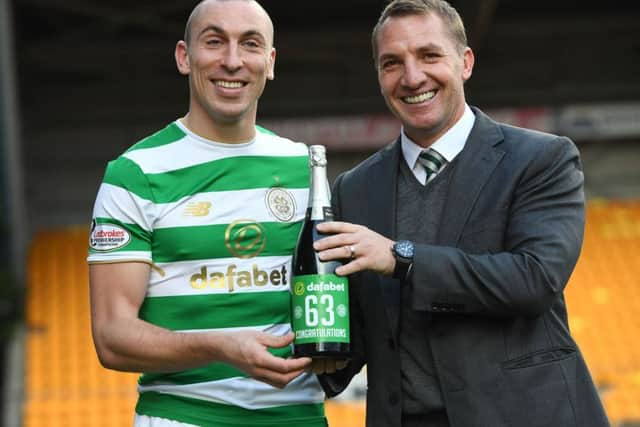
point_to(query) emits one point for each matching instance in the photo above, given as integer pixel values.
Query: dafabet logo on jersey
(197, 209)
(233, 279)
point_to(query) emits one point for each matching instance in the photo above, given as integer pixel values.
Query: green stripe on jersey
(216, 311)
(169, 134)
(212, 372)
(212, 414)
(242, 240)
(228, 174)
(125, 173)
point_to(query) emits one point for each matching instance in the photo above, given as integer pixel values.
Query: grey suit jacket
(510, 236)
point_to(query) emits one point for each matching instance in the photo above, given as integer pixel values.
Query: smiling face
(421, 72)
(229, 57)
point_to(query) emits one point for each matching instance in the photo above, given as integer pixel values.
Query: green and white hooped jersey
(219, 224)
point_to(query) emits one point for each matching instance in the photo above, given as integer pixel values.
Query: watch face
(404, 248)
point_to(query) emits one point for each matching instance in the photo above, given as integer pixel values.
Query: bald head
(197, 11)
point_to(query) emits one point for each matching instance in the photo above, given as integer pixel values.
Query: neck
(219, 130)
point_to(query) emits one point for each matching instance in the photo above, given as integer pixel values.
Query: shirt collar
(448, 145)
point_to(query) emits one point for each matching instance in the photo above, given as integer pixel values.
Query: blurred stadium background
(81, 80)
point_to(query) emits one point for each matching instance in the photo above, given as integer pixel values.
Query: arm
(542, 237)
(540, 244)
(125, 342)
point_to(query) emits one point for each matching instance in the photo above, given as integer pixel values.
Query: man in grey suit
(460, 239)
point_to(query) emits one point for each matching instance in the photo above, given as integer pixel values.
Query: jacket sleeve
(525, 264)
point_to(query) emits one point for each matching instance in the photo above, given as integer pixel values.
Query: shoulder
(128, 170)
(534, 144)
(149, 149)
(382, 158)
(280, 145)
(522, 142)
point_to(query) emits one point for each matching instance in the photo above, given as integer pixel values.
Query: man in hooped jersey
(190, 250)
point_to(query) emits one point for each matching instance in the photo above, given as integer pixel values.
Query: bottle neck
(320, 194)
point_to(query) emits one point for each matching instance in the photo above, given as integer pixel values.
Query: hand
(327, 365)
(371, 251)
(247, 350)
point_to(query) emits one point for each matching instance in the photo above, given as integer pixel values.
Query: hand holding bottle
(248, 351)
(363, 248)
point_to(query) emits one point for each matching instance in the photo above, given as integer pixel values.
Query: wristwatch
(403, 252)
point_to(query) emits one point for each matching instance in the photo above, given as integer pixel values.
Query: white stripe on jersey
(114, 256)
(177, 278)
(122, 205)
(193, 150)
(248, 393)
(147, 421)
(221, 206)
(277, 329)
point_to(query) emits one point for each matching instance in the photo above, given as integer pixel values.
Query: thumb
(278, 341)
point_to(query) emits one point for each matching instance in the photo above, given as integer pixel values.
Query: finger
(351, 267)
(319, 366)
(276, 341)
(291, 365)
(341, 252)
(334, 241)
(315, 365)
(277, 379)
(335, 227)
(341, 364)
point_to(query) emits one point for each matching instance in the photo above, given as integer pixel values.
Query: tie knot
(432, 162)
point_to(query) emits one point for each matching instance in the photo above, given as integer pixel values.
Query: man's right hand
(248, 351)
(327, 365)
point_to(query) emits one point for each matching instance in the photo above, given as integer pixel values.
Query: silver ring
(352, 251)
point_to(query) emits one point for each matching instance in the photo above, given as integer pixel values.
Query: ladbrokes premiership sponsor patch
(107, 237)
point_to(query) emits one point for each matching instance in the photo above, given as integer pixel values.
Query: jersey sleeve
(123, 215)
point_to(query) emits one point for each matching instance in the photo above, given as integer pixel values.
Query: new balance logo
(197, 209)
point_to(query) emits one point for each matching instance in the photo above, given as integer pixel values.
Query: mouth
(417, 99)
(229, 84)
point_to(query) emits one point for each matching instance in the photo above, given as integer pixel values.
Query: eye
(252, 44)
(431, 56)
(388, 64)
(213, 42)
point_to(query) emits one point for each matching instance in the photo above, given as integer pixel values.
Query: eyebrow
(220, 30)
(429, 47)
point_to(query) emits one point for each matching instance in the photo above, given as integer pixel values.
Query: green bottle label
(320, 308)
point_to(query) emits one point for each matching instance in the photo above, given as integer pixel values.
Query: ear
(182, 57)
(271, 64)
(468, 60)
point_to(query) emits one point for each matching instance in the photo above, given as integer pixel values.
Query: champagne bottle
(319, 298)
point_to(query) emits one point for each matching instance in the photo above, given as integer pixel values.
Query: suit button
(391, 343)
(393, 398)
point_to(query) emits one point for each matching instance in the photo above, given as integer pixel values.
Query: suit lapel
(476, 162)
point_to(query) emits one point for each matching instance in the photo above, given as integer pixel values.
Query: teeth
(230, 85)
(419, 98)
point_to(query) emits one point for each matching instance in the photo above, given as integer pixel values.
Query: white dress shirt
(448, 145)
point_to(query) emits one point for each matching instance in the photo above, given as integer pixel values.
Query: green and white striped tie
(432, 162)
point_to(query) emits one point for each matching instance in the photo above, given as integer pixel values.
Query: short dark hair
(441, 8)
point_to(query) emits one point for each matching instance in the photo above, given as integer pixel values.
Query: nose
(231, 59)
(414, 75)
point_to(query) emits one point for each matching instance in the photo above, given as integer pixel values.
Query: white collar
(448, 145)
